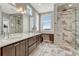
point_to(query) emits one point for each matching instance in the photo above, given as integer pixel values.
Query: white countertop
(15, 38)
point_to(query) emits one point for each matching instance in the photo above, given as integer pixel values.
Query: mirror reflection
(17, 18)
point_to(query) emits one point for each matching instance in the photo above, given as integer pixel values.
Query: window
(46, 21)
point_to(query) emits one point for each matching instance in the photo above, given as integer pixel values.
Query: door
(8, 50)
(17, 49)
(68, 27)
(20, 48)
(32, 40)
(77, 29)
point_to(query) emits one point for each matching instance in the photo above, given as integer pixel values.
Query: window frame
(41, 27)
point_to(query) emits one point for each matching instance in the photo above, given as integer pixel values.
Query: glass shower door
(68, 26)
(77, 29)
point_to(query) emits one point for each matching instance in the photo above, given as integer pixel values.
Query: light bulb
(19, 9)
(23, 12)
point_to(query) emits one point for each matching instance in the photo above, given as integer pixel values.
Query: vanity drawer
(31, 48)
(32, 40)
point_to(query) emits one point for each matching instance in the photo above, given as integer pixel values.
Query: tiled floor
(49, 49)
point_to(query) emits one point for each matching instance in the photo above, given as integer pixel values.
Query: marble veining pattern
(15, 38)
(49, 49)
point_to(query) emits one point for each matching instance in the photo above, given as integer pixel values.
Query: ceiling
(8, 8)
(43, 7)
(40, 7)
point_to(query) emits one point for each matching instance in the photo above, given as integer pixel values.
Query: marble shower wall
(57, 27)
(77, 28)
(68, 26)
(65, 27)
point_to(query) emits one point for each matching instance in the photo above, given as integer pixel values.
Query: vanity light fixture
(21, 8)
(23, 12)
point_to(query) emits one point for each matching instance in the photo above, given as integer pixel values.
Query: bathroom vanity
(23, 44)
(20, 46)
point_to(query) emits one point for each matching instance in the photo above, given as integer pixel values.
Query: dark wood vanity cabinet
(48, 37)
(17, 49)
(21, 48)
(8, 50)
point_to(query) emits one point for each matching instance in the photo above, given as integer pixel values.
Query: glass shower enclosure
(68, 22)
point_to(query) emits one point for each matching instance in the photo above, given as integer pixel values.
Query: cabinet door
(31, 48)
(45, 37)
(0, 51)
(27, 47)
(20, 48)
(51, 38)
(8, 50)
(17, 49)
(32, 41)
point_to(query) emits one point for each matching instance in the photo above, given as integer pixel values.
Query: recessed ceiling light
(70, 5)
